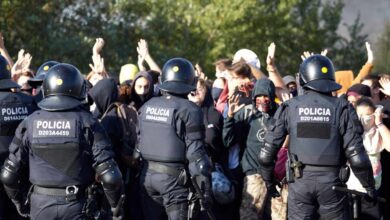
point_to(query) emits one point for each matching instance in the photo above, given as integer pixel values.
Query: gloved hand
(271, 188)
(117, 214)
(23, 210)
(207, 201)
(372, 195)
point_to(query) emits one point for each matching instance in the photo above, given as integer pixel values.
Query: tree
(201, 31)
(382, 51)
(350, 54)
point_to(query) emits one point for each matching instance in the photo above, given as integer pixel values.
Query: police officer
(14, 107)
(63, 146)
(36, 82)
(324, 131)
(172, 142)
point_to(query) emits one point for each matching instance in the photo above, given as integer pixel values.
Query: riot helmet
(41, 73)
(317, 73)
(63, 88)
(5, 76)
(178, 77)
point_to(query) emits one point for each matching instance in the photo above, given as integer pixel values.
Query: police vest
(314, 129)
(61, 155)
(159, 140)
(14, 107)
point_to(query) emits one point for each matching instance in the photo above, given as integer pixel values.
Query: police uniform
(324, 132)
(14, 107)
(172, 136)
(63, 147)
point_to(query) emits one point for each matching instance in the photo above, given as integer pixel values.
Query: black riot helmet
(5, 76)
(317, 73)
(63, 88)
(178, 76)
(41, 73)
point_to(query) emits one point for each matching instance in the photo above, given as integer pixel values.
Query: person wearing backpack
(119, 120)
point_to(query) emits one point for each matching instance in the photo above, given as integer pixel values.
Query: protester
(141, 90)
(376, 138)
(221, 68)
(213, 122)
(291, 85)
(248, 125)
(120, 122)
(372, 81)
(356, 92)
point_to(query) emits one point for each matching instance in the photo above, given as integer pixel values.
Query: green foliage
(382, 49)
(351, 54)
(200, 30)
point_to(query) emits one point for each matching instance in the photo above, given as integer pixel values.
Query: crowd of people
(256, 145)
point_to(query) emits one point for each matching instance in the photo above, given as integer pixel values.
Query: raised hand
(370, 54)
(286, 95)
(233, 105)
(22, 64)
(324, 52)
(98, 65)
(142, 48)
(307, 54)
(271, 54)
(385, 83)
(199, 72)
(98, 46)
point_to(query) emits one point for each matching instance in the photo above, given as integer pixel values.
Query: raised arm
(143, 51)
(4, 52)
(273, 73)
(367, 67)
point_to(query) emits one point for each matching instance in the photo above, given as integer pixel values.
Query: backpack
(128, 118)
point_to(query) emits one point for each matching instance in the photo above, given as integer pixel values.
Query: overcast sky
(373, 13)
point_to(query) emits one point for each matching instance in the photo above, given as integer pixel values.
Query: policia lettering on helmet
(14, 107)
(324, 133)
(64, 147)
(172, 141)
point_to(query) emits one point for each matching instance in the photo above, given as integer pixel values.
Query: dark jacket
(248, 127)
(136, 100)
(103, 94)
(213, 122)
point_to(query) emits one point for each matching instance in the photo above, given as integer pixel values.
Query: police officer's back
(14, 107)
(171, 136)
(63, 146)
(324, 133)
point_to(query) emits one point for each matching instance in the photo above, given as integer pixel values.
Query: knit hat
(359, 89)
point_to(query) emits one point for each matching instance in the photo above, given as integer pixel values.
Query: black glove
(118, 215)
(271, 188)
(372, 195)
(207, 201)
(23, 210)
